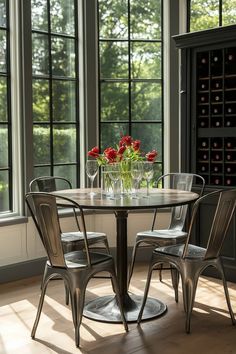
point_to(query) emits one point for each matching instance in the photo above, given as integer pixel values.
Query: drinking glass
(137, 174)
(148, 173)
(114, 174)
(91, 170)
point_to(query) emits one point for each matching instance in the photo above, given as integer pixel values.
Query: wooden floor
(212, 332)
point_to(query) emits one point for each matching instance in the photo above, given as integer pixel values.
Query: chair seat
(78, 259)
(79, 236)
(194, 252)
(165, 234)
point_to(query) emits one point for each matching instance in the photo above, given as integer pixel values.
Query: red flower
(150, 156)
(121, 150)
(111, 154)
(136, 145)
(126, 140)
(94, 152)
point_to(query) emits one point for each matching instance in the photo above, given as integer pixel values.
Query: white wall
(21, 243)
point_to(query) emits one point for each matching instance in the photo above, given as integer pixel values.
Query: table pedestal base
(105, 309)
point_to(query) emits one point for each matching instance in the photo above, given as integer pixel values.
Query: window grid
(130, 123)
(55, 166)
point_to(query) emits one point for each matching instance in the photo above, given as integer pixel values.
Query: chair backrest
(223, 215)
(44, 210)
(181, 181)
(49, 184)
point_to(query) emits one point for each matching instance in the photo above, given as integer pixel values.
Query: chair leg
(40, 305)
(107, 246)
(77, 306)
(149, 276)
(175, 281)
(160, 272)
(189, 290)
(67, 294)
(221, 269)
(132, 261)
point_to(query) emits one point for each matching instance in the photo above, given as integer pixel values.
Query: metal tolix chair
(71, 241)
(174, 234)
(75, 268)
(191, 260)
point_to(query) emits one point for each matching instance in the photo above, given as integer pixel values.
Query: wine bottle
(204, 156)
(229, 157)
(229, 110)
(217, 181)
(202, 124)
(228, 123)
(203, 60)
(203, 111)
(203, 168)
(215, 59)
(215, 110)
(202, 98)
(217, 157)
(217, 123)
(229, 145)
(216, 169)
(217, 98)
(228, 181)
(229, 169)
(204, 144)
(215, 144)
(230, 57)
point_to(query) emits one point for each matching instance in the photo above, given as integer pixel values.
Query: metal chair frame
(72, 241)
(190, 260)
(174, 234)
(75, 268)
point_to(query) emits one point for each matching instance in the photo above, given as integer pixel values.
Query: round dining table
(105, 308)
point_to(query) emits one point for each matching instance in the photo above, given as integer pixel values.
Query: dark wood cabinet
(208, 120)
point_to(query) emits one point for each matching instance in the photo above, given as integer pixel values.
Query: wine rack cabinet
(208, 120)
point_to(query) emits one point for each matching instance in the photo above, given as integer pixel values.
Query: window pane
(3, 99)
(145, 19)
(63, 101)
(62, 16)
(204, 14)
(3, 51)
(41, 101)
(40, 54)
(146, 101)
(4, 191)
(67, 171)
(146, 60)
(114, 59)
(111, 133)
(41, 136)
(113, 19)
(42, 171)
(39, 14)
(228, 12)
(64, 143)
(114, 101)
(63, 57)
(150, 136)
(4, 146)
(3, 20)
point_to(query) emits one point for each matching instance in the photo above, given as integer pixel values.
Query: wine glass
(148, 173)
(137, 174)
(91, 170)
(114, 174)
